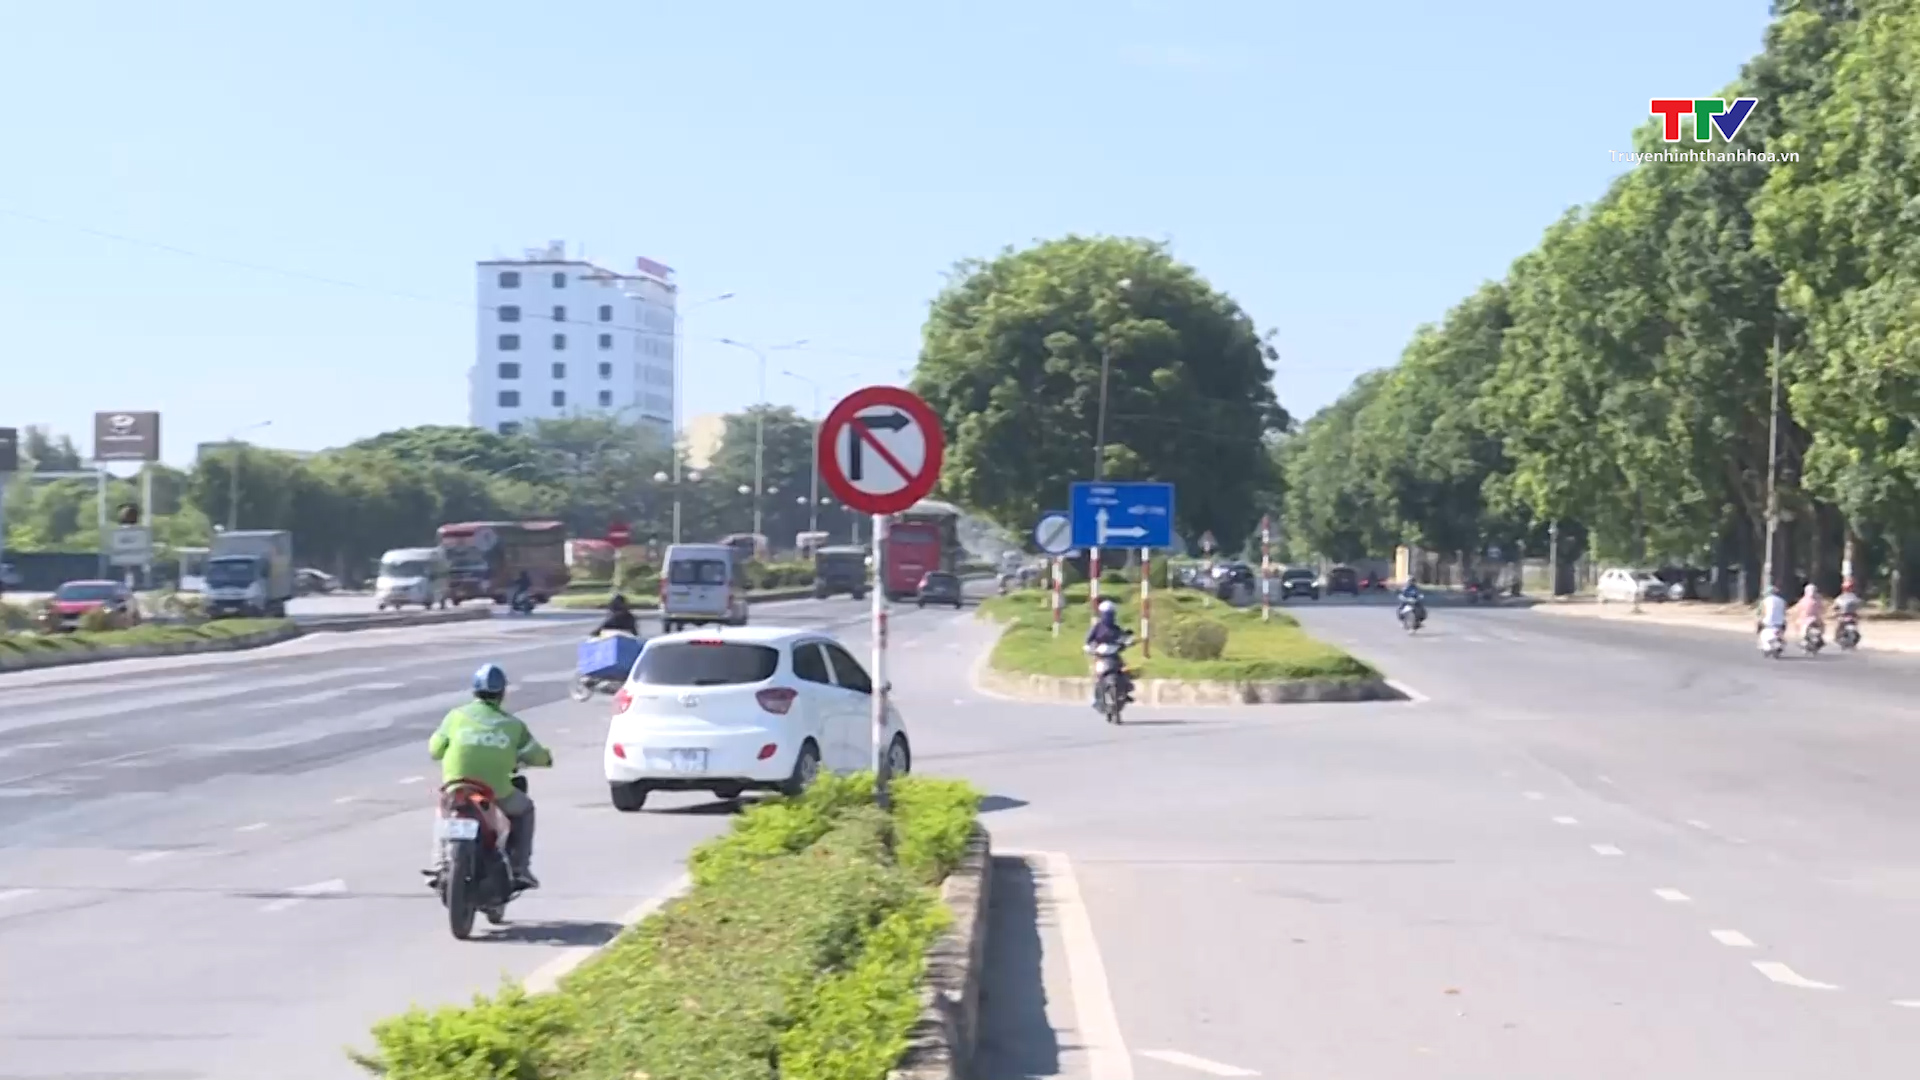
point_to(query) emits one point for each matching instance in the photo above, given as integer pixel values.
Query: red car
(72, 601)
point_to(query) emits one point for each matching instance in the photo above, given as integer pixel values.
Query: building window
(559, 398)
(606, 312)
(606, 398)
(509, 399)
(509, 427)
(606, 370)
(559, 343)
(509, 342)
(559, 371)
(559, 313)
(559, 280)
(509, 313)
(509, 279)
(606, 341)
(509, 370)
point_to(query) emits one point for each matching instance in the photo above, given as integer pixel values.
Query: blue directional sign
(1122, 515)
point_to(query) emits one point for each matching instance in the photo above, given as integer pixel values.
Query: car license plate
(688, 761)
(456, 828)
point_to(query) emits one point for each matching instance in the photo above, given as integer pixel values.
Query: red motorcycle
(476, 876)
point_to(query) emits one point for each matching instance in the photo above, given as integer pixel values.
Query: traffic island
(1205, 652)
(23, 650)
(822, 939)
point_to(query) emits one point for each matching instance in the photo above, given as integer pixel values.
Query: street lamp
(679, 323)
(692, 477)
(813, 503)
(760, 417)
(233, 473)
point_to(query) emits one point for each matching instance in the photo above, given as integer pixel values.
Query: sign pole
(1059, 576)
(1146, 608)
(1093, 583)
(881, 528)
(1266, 569)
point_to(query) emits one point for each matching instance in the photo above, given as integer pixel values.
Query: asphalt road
(1584, 851)
(211, 864)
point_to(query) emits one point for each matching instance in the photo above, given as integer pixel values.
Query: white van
(412, 576)
(702, 583)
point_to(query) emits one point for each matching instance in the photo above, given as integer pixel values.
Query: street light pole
(760, 421)
(1773, 466)
(1100, 450)
(813, 499)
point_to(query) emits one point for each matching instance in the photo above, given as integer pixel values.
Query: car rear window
(73, 592)
(693, 663)
(697, 572)
(942, 579)
(1299, 575)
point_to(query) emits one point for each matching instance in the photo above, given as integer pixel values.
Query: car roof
(91, 581)
(745, 635)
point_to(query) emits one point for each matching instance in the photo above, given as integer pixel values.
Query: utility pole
(1100, 454)
(1773, 466)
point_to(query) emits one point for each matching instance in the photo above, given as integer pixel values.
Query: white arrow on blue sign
(1122, 515)
(1054, 533)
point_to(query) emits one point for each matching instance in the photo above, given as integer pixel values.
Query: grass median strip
(26, 643)
(798, 953)
(597, 601)
(1192, 639)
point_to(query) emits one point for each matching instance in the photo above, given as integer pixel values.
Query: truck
(486, 557)
(249, 573)
(923, 538)
(841, 569)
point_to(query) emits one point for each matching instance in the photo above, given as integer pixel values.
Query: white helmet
(1107, 607)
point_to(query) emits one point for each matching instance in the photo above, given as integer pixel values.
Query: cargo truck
(249, 573)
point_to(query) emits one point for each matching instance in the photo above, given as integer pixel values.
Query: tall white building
(560, 337)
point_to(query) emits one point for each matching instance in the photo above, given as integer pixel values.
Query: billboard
(126, 436)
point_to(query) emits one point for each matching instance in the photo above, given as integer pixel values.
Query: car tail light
(619, 751)
(622, 701)
(708, 641)
(768, 751)
(777, 699)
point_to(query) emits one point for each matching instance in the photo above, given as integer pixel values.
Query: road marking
(1732, 939)
(1532, 796)
(1566, 821)
(1106, 1051)
(301, 894)
(1673, 896)
(548, 975)
(345, 799)
(1412, 695)
(227, 689)
(13, 894)
(1786, 976)
(412, 779)
(149, 856)
(1605, 849)
(382, 686)
(1903, 1004)
(255, 827)
(1698, 824)
(1197, 1064)
(314, 698)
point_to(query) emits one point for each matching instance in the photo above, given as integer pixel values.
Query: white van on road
(702, 583)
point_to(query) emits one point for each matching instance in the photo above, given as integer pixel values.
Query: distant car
(1623, 586)
(1299, 581)
(308, 582)
(1343, 579)
(940, 587)
(733, 709)
(1229, 578)
(72, 602)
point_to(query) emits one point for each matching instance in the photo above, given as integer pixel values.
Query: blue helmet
(490, 681)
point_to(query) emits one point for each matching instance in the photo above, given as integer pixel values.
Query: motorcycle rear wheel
(462, 887)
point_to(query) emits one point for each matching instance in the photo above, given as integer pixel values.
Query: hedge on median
(31, 643)
(798, 953)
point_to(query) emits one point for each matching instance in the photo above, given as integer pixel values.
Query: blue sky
(1345, 176)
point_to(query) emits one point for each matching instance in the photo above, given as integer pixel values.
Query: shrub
(16, 617)
(174, 604)
(502, 1038)
(858, 1020)
(95, 621)
(1195, 639)
(1113, 577)
(637, 579)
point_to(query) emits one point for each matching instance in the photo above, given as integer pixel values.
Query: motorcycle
(1813, 639)
(475, 874)
(1772, 642)
(1412, 615)
(1107, 670)
(520, 603)
(1847, 633)
(604, 663)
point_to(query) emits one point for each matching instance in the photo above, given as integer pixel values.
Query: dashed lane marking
(1672, 896)
(1412, 695)
(1605, 849)
(346, 799)
(1100, 1037)
(1732, 939)
(1197, 1064)
(255, 827)
(1566, 821)
(13, 894)
(412, 779)
(301, 894)
(1786, 976)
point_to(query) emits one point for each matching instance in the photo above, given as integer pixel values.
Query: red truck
(922, 538)
(484, 558)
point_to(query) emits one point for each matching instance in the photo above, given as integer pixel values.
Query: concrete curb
(1191, 691)
(49, 658)
(940, 1046)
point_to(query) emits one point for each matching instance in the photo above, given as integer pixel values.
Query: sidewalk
(1879, 635)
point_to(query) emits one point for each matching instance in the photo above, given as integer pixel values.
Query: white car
(1622, 586)
(732, 709)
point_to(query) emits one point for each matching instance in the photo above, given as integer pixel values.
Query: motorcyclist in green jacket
(484, 742)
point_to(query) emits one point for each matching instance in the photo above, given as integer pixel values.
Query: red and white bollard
(1146, 609)
(1266, 570)
(1059, 598)
(1093, 583)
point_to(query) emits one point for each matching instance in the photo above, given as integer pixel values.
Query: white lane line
(1786, 976)
(1412, 695)
(301, 894)
(382, 686)
(1107, 1057)
(548, 975)
(1605, 849)
(1197, 1064)
(345, 799)
(228, 689)
(1566, 821)
(149, 856)
(412, 779)
(255, 827)
(1673, 896)
(1532, 796)
(13, 894)
(1905, 1004)
(1698, 824)
(314, 698)
(1732, 939)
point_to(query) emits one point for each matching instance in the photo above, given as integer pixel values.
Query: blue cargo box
(608, 657)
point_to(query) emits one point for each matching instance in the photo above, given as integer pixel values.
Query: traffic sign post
(879, 451)
(1266, 568)
(1138, 516)
(1054, 535)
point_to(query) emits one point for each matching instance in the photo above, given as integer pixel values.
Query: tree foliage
(1011, 360)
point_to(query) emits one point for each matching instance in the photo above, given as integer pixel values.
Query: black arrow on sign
(888, 422)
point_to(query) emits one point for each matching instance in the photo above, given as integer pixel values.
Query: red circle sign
(880, 449)
(618, 534)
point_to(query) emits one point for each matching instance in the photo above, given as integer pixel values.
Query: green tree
(1011, 361)
(787, 475)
